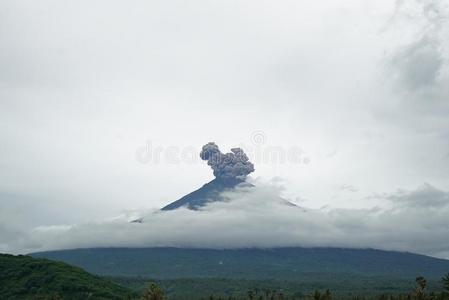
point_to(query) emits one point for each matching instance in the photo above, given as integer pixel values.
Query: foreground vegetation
(24, 277)
(419, 292)
(342, 286)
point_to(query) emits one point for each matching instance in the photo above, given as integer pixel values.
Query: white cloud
(418, 65)
(258, 217)
(419, 62)
(425, 196)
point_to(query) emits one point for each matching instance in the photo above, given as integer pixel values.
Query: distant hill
(25, 277)
(278, 263)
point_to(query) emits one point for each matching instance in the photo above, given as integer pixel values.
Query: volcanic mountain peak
(230, 170)
(210, 192)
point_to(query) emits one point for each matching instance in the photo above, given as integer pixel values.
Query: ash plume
(233, 166)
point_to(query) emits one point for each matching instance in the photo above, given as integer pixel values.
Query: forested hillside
(277, 263)
(24, 277)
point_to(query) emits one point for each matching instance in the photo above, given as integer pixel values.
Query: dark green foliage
(153, 292)
(419, 293)
(420, 290)
(317, 295)
(24, 277)
(445, 281)
(343, 287)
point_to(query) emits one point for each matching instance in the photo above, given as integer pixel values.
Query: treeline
(419, 292)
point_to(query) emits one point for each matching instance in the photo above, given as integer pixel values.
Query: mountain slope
(278, 263)
(209, 192)
(24, 277)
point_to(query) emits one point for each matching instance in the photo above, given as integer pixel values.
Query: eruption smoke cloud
(229, 166)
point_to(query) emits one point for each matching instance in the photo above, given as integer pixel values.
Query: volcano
(210, 192)
(230, 170)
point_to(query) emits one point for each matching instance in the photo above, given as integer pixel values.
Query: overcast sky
(104, 105)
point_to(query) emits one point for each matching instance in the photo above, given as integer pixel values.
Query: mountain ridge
(252, 263)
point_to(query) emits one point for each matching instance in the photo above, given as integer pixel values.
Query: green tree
(153, 292)
(445, 281)
(327, 295)
(317, 295)
(420, 289)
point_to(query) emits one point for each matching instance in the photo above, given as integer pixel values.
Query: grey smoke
(230, 166)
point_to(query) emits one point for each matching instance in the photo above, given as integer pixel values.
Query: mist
(259, 217)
